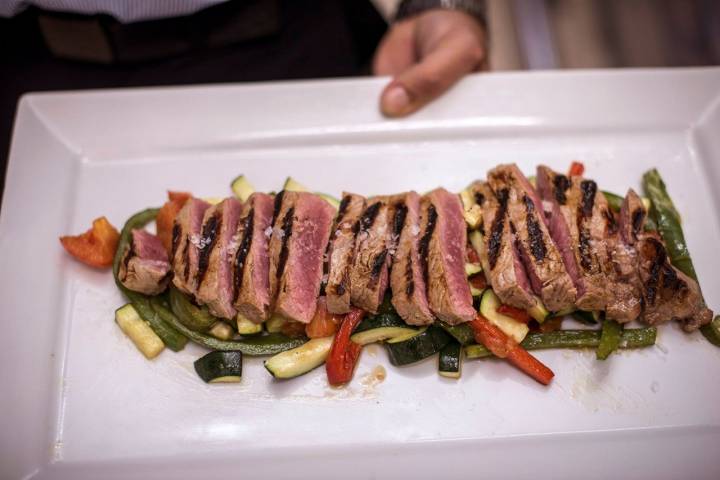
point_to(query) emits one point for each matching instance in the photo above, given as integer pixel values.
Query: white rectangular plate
(78, 401)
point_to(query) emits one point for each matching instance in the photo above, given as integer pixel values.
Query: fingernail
(396, 100)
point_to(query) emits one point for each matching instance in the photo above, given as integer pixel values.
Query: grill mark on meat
(186, 259)
(658, 259)
(638, 216)
(537, 246)
(584, 249)
(612, 226)
(378, 263)
(287, 232)
(340, 288)
(399, 219)
(342, 210)
(175, 239)
(497, 227)
(277, 206)
(561, 184)
(409, 279)
(208, 240)
(242, 253)
(369, 216)
(589, 189)
(479, 198)
(424, 247)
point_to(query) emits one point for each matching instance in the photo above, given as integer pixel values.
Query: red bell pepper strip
(96, 247)
(503, 346)
(515, 313)
(576, 169)
(344, 353)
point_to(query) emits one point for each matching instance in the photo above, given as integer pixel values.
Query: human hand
(426, 55)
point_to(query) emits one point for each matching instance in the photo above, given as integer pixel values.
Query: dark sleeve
(408, 8)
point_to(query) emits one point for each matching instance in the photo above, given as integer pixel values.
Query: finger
(452, 58)
(396, 52)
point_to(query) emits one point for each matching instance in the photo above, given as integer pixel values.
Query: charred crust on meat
(340, 288)
(287, 232)
(186, 259)
(535, 234)
(479, 198)
(277, 205)
(638, 217)
(369, 216)
(498, 225)
(661, 273)
(424, 247)
(377, 266)
(612, 226)
(589, 189)
(409, 279)
(561, 183)
(242, 252)
(399, 219)
(208, 240)
(585, 249)
(175, 238)
(342, 210)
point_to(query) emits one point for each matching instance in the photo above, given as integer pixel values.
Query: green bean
(269, 344)
(667, 218)
(711, 331)
(170, 336)
(631, 338)
(614, 201)
(609, 338)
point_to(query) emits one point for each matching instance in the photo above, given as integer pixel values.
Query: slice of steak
(369, 276)
(407, 282)
(540, 255)
(342, 253)
(145, 267)
(578, 222)
(626, 304)
(632, 218)
(282, 223)
(442, 251)
(500, 257)
(215, 264)
(187, 240)
(299, 269)
(251, 263)
(668, 294)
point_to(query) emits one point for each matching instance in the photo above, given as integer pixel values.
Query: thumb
(413, 88)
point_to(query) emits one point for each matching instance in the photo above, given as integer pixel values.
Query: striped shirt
(125, 11)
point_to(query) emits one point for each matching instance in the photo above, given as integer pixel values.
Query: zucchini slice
(213, 200)
(450, 360)
(463, 332)
(220, 367)
(477, 242)
(221, 331)
(144, 338)
(300, 360)
(274, 324)
(242, 188)
(418, 347)
(511, 327)
(292, 185)
(472, 268)
(538, 311)
(334, 202)
(378, 328)
(471, 210)
(246, 326)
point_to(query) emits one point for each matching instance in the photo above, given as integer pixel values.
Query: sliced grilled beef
(342, 253)
(579, 222)
(632, 218)
(187, 240)
(282, 224)
(251, 263)
(297, 271)
(373, 245)
(442, 253)
(145, 267)
(215, 270)
(500, 257)
(539, 253)
(668, 294)
(407, 281)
